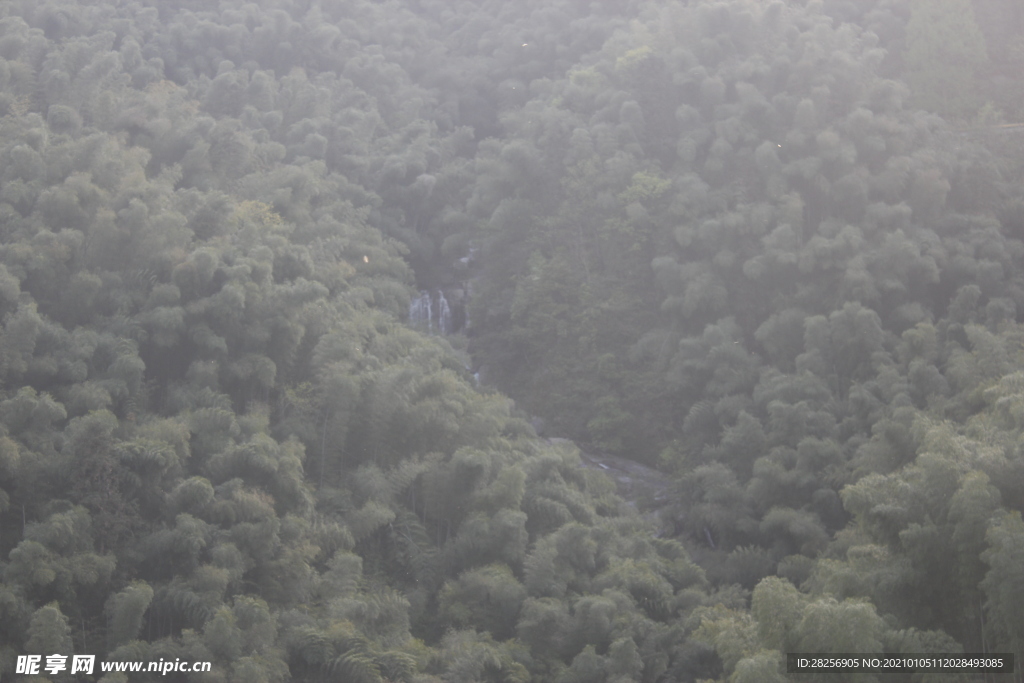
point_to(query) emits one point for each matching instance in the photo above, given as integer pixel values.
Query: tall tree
(945, 51)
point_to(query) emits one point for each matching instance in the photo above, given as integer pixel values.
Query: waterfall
(421, 313)
(432, 313)
(444, 315)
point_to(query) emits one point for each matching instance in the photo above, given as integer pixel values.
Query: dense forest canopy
(295, 297)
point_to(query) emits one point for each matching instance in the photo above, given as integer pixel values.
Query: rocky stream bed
(645, 488)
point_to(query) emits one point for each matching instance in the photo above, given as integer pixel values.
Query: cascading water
(431, 312)
(421, 314)
(444, 315)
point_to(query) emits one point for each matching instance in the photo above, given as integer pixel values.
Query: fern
(312, 648)
(403, 476)
(357, 663)
(415, 551)
(184, 604)
(397, 666)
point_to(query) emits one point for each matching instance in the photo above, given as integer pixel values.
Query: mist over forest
(510, 341)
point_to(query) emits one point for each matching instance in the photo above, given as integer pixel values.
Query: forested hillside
(288, 289)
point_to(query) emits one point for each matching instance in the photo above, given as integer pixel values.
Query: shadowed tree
(944, 56)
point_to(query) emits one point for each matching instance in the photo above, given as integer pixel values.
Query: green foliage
(468, 656)
(488, 599)
(1001, 582)
(848, 627)
(714, 231)
(126, 610)
(945, 52)
(48, 632)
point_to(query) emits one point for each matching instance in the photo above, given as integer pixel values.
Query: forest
(317, 318)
